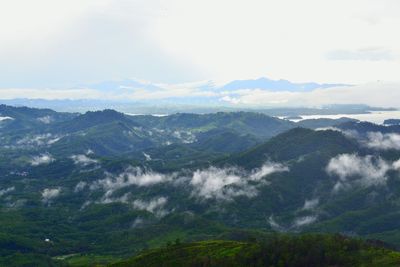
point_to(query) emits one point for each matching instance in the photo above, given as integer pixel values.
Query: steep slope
(293, 144)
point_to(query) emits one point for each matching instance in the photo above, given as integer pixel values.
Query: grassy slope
(304, 250)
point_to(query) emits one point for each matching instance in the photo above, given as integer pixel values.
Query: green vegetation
(305, 250)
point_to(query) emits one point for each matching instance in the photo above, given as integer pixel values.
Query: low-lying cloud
(310, 204)
(42, 159)
(83, 160)
(267, 169)
(46, 139)
(381, 141)
(296, 223)
(147, 156)
(214, 182)
(303, 221)
(396, 165)
(155, 205)
(374, 140)
(353, 169)
(80, 186)
(45, 119)
(211, 183)
(49, 194)
(6, 190)
(224, 184)
(131, 176)
(3, 118)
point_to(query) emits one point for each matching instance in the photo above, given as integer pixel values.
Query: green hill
(296, 251)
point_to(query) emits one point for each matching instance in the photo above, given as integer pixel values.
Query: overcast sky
(61, 43)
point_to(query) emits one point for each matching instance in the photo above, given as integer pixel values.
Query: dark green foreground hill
(304, 250)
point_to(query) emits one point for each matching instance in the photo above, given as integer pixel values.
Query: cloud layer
(211, 183)
(352, 169)
(170, 43)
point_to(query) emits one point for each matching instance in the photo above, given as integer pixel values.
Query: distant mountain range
(136, 96)
(261, 83)
(276, 85)
(165, 107)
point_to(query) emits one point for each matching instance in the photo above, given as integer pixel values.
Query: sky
(60, 44)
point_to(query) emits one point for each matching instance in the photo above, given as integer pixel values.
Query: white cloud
(46, 139)
(6, 190)
(374, 140)
(42, 159)
(274, 225)
(155, 205)
(17, 204)
(147, 156)
(80, 31)
(293, 40)
(310, 204)
(396, 165)
(49, 194)
(267, 169)
(380, 141)
(216, 183)
(211, 183)
(138, 222)
(80, 186)
(227, 183)
(356, 170)
(83, 160)
(186, 137)
(3, 118)
(365, 54)
(303, 221)
(47, 93)
(382, 94)
(45, 119)
(348, 133)
(122, 199)
(69, 38)
(295, 225)
(131, 176)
